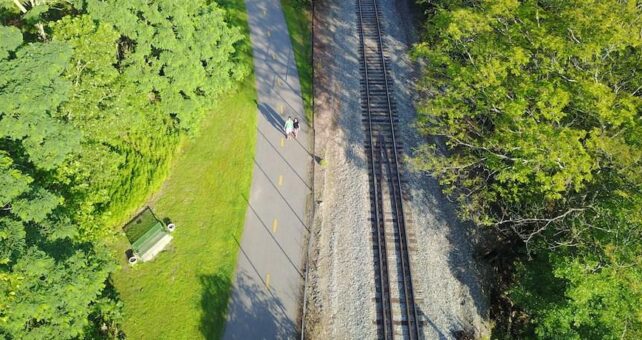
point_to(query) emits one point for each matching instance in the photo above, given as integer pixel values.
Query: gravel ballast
(342, 285)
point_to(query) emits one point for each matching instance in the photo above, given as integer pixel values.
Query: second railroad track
(395, 297)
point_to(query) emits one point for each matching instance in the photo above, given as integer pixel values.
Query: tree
(51, 299)
(182, 55)
(46, 286)
(31, 141)
(535, 109)
(94, 98)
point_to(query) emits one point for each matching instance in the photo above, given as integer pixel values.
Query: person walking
(288, 127)
(295, 126)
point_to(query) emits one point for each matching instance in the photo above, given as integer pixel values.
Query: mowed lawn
(299, 20)
(183, 292)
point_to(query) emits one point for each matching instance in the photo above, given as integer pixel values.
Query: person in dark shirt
(295, 125)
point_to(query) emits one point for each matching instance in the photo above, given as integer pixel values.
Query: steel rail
(411, 311)
(397, 200)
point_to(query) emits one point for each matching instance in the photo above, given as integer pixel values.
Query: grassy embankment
(298, 16)
(183, 293)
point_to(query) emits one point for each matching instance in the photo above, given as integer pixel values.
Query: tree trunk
(19, 4)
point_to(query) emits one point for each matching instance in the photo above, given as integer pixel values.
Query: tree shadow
(255, 304)
(215, 293)
(105, 319)
(255, 313)
(244, 309)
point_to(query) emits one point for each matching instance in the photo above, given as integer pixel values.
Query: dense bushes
(94, 96)
(539, 106)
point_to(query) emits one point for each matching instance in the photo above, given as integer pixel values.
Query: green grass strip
(183, 292)
(299, 19)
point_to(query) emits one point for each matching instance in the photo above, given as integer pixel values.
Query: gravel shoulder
(341, 262)
(341, 295)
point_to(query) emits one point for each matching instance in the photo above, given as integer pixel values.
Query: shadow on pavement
(249, 320)
(285, 200)
(267, 139)
(272, 117)
(258, 314)
(294, 265)
(255, 312)
(277, 123)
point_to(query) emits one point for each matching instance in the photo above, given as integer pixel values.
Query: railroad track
(397, 312)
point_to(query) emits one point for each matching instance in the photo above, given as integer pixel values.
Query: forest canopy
(94, 97)
(535, 113)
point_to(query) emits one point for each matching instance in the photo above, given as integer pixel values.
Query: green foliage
(47, 287)
(181, 53)
(535, 108)
(94, 97)
(120, 128)
(49, 299)
(582, 296)
(26, 120)
(10, 39)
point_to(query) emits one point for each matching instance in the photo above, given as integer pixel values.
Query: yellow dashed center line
(275, 225)
(281, 108)
(280, 180)
(282, 142)
(267, 280)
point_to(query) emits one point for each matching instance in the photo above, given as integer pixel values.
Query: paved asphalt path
(266, 296)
